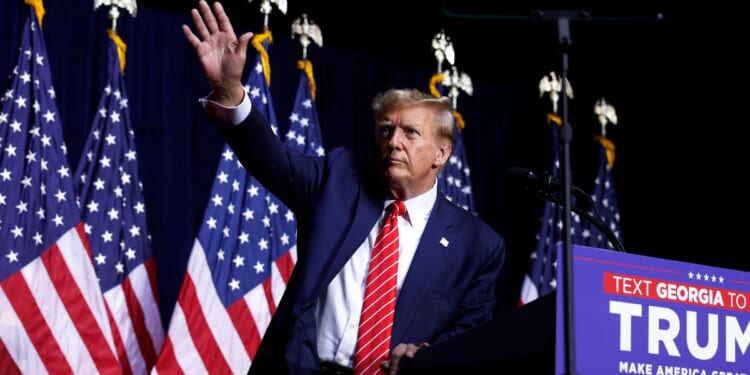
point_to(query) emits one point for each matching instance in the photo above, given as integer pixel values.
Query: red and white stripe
(133, 306)
(204, 335)
(378, 307)
(54, 318)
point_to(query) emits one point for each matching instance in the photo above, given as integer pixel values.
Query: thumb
(242, 43)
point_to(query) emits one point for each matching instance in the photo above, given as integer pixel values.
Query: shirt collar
(419, 207)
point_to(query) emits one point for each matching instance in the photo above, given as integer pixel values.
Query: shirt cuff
(231, 115)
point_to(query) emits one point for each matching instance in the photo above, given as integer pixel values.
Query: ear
(442, 153)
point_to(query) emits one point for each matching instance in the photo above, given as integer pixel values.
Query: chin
(394, 172)
(388, 177)
(396, 182)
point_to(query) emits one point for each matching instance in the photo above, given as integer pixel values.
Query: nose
(396, 138)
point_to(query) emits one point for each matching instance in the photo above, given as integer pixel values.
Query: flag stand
(566, 136)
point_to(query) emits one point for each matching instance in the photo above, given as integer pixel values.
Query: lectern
(634, 314)
(522, 339)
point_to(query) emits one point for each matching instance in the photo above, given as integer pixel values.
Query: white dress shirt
(339, 308)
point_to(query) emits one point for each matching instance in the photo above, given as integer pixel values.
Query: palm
(220, 58)
(221, 53)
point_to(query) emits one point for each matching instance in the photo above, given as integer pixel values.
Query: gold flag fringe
(307, 67)
(257, 42)
(436, 78)
(459, 120)
(551, 117)
(38, 9)
(609, 147)
(121, 48)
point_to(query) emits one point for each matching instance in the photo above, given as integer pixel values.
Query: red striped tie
(376, 323)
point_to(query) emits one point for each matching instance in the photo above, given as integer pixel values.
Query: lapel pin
(444, 242)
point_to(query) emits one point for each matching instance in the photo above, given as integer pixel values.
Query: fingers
(194, 41)
(209, 22)
(223, 19)
(385, 367)
(208, 16)
(391, 366)
(198, 19)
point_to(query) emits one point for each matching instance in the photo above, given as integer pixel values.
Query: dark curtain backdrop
(178, 149)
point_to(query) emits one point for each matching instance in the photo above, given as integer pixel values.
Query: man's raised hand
(222, 55)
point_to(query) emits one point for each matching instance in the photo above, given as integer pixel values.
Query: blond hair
(391, 99)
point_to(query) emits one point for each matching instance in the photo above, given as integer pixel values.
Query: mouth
(391, 161)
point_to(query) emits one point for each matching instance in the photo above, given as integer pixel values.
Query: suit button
(307, 305)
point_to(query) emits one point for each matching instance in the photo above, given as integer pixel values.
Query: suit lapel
(431, 253)
(367, 212)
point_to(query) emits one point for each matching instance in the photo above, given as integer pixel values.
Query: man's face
(410, 150)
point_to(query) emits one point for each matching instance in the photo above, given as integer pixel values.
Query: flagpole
(566, 136)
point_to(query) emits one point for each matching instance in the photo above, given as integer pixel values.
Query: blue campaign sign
(635, 314)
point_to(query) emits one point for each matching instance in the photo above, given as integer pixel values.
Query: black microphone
(541, 183)
(545, 183)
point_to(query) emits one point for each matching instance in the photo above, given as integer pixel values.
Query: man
(447, 259)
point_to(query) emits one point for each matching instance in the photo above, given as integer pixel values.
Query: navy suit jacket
(449, 288)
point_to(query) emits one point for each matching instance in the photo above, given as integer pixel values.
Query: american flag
(111, 197)
(455, 179)
(53, 315)
(605, 200)
(541, 277)
(304, 126)
(238, 268)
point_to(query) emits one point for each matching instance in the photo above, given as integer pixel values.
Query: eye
(385, 131)
(411, 132)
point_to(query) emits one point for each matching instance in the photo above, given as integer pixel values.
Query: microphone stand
(611, 237)
(545, 188)
(566, 135)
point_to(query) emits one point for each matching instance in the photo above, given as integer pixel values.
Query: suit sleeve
(287, 173)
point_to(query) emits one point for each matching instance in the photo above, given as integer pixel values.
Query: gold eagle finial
(553, 85)
(605, 113)
(455, 80)
(266, 8)
(308, 31)
(114, 12)
(442, 47)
